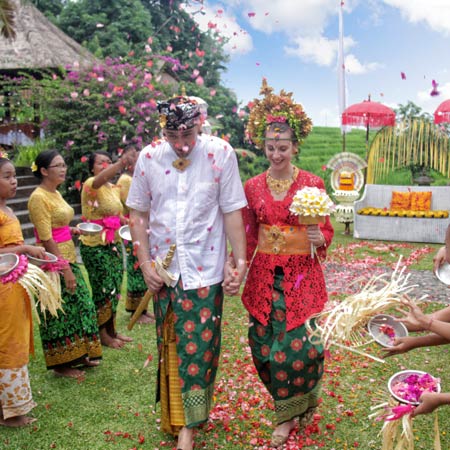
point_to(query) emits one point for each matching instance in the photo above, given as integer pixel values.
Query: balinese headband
(178, 113)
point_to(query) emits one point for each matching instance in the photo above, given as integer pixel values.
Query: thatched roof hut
(39, 44)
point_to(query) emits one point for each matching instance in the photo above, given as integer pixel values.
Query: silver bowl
(399, 377)
(376, 329)
(443, 273)
(50, 259)
(89, 228)
(8, 262)
(124, 233)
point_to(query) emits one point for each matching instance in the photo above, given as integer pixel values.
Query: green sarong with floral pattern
(198, 315)
(104, 265)
(72, 335)
(289, 365)
(136, 286)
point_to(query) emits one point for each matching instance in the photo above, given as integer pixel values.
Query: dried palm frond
(397, 431)
(344, 325)
(43, 290)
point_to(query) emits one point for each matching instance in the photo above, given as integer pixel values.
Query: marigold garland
(276, 109)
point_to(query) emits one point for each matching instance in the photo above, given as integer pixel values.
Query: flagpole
(342, 97)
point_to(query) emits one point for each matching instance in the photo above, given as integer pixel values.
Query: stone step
(18, 204)
(24, 191)
(27, 180)
(20, 171)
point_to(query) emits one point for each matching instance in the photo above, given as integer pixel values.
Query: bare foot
(88, 363)
(145, 319)
(110, 341)
(281, 433)
(18, 421)
(68, 372)
(185, 439)
(123, 338)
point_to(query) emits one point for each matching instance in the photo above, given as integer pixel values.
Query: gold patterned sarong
(172, 412)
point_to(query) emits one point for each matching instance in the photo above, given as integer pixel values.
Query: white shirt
(186, 208)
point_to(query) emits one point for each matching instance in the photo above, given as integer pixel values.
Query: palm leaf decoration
(7, 18)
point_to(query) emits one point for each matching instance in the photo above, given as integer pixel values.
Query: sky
(393, 49)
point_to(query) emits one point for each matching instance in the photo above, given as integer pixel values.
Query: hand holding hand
(233, 276)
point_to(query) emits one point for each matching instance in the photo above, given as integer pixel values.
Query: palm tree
(7, 18)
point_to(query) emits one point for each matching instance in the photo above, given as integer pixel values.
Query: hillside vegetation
(320, 146)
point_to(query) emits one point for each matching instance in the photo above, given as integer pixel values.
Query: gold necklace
(279, 186)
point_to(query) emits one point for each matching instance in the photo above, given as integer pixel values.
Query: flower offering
(410, 388)
(312, 202)
(388, 331)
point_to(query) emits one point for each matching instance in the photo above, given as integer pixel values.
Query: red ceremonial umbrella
(442, 113)
(369, 114)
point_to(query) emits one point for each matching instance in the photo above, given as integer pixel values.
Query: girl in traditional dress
(285, 284)
(16, 329)
(136, 286)
(102, 253)
(71, 339)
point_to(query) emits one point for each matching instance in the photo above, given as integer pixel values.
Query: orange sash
(283, 240)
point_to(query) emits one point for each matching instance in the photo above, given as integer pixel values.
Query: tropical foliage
(102, 109)
(144, 43)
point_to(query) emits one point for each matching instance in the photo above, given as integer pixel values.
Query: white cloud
(319, 50)
(305, 17)
(323, 52)
(436, 13)
(217, 18)
(302, 21)
(354, 67)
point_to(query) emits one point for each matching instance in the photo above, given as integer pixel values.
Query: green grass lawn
(113, 407)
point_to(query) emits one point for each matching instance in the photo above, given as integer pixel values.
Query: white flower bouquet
(311, 205)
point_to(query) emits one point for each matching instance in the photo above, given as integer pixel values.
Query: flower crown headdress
(3, 154)
(276, 109)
